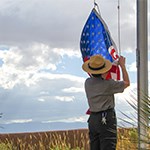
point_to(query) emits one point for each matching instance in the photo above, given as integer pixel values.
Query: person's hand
(125, 76)
(122, 61)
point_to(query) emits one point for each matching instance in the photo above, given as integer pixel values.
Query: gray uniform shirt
(100, 93)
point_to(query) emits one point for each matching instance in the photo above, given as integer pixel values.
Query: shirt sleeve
(116, 86)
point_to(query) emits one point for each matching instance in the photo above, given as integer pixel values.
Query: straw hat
(97, 65)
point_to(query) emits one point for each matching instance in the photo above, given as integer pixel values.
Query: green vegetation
(136, 136)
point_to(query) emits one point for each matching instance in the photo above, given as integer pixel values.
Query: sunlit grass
(127, 139)
(65, 140)
(58, 140)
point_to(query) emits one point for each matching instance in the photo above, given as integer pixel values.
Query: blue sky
(41, 79)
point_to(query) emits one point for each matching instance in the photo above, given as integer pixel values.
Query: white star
(87, 26)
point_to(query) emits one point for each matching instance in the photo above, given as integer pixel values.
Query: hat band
(96, 68)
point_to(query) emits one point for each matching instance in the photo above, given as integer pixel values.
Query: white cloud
(18, 121)
(45, 96)
(129, 50)
(132, 67)
(41, 100)
(73, 119)
(77, 119)
(35, 57)
(129, 94)
(26, 65)
(60, 26)
(73, 90)
(68, 52)
(65, 98)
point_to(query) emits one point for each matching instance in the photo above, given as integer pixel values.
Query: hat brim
(107, 67)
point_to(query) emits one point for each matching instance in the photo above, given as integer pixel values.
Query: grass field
(63, 140)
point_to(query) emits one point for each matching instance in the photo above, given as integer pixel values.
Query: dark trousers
(103, 135)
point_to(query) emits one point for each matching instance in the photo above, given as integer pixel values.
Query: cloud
(65, 98)
(46, 97)
(73, 119)
(41, 100)
(68, 52)
(128, 93)
(73, 90)
(40, 66)
(45, 21)
(30, 58)
(19, 121)
(124, 102)
(59, 26)
(132, 67)
(30, 81)
(25, 64)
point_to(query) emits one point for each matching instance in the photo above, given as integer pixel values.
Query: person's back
(100, 94)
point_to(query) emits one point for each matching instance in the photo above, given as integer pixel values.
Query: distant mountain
(38, 126)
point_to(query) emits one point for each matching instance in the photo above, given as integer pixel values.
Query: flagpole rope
(119, 33)
(95, 4)
(119, 25)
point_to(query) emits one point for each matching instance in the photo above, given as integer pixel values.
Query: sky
(41, 79)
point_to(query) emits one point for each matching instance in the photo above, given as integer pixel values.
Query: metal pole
(119, 32)
(142, 68)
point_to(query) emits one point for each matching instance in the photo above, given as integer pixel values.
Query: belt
(107, 110)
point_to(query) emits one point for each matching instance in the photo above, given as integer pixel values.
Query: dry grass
(63, 140)
(53, 140)
(127, 139)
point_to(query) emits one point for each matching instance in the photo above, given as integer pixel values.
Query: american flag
(96, 39)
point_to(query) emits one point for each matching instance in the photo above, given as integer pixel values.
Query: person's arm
(124, 71)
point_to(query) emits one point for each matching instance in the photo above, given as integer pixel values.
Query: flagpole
(142, 70)
(119, 33)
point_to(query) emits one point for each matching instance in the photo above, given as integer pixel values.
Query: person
(100, 92)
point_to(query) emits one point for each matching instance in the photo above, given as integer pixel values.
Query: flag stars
(87, 26)
(94, 38)
(99, 40)
(84, 49)
(103, 43)
(93, 41)
(87, 34)
(97, 44)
